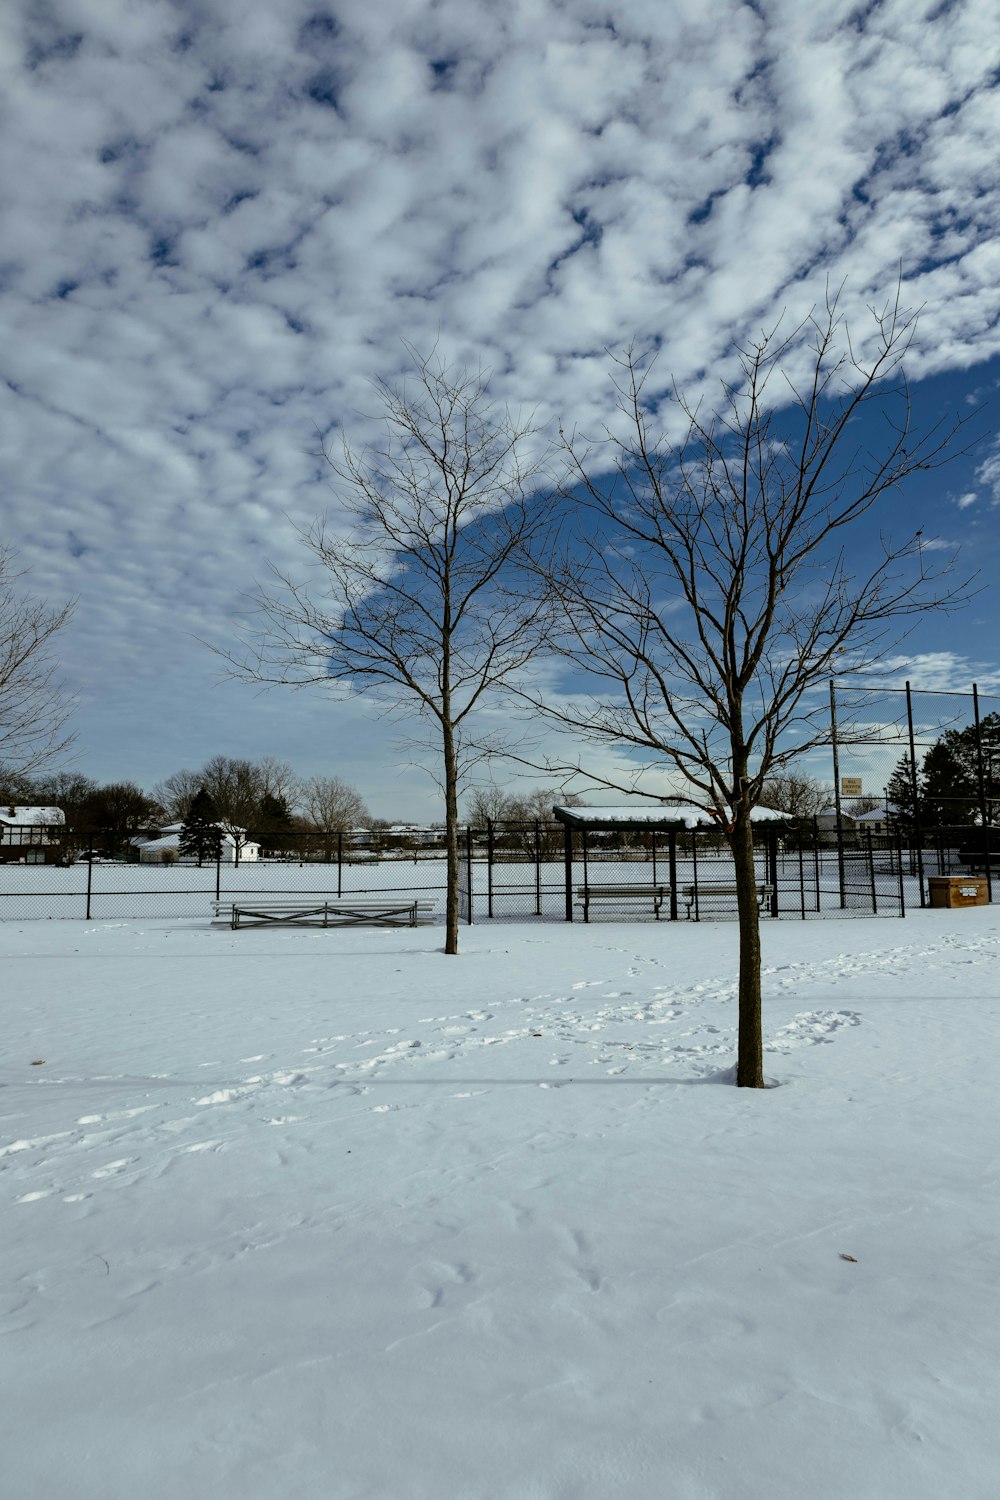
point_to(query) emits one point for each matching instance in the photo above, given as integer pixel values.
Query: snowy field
(306, 1215)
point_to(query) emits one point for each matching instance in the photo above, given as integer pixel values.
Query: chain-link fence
(923, 766)
(508, 871)
(48, 879)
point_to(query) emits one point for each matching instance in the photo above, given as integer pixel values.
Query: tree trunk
(451, 839)
(750, 1051)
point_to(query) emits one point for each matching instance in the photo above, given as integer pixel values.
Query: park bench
(330, 911)
(632, 891)
(709, 893)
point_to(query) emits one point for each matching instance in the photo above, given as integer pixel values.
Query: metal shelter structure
(674, 862)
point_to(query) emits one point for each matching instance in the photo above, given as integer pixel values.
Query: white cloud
(220, 220)
(988, 473)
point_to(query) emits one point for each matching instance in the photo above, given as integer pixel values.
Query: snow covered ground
(295, 1214)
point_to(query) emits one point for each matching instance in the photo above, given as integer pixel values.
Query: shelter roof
(654, 815)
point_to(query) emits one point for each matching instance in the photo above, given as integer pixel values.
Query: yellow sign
(850, 786)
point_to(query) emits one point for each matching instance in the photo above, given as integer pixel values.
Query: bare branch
(33, 705)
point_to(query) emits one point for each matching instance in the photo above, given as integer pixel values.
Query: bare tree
(238, 788)
(414, 607)
(795, 793)
(707, 594)
(539, 802)
(33, 706)
(116, 813)
(176, 793)
(489, 804)
(331, 805)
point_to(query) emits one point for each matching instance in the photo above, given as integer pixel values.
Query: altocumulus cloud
(221, 218)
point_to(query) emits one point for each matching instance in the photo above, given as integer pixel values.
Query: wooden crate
(958, 890)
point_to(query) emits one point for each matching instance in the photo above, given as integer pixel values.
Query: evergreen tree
(948, 792)
(955, 770)
(274, 825)
(900, 800)
(200, 836)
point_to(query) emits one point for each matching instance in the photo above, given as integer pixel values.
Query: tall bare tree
(176, 792)
(795, 793)
(333, 804)
(33, 706)
(489, 803)
(415, 607)
(707, 593)
(239, 787)
(115, 813)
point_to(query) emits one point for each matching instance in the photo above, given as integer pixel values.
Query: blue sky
(222, 219)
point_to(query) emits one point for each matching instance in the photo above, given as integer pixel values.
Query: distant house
(877, 822)
(161, 846)
(31, 835)
(826, 825)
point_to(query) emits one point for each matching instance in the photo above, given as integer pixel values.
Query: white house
(876, 821)
(31, 835)
(163, 848)
(826, 825)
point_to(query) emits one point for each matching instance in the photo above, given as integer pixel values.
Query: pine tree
(274, 824)
(951, 773)
(900, 801)
(949, 793)
(200, 836)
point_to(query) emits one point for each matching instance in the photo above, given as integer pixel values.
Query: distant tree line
(260, 800)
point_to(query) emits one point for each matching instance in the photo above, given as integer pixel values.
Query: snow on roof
(683, 815)
(167, 841)
(170, 837)
(877, 815)
(35, 815)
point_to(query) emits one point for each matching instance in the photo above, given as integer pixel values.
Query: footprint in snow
(113, 1168)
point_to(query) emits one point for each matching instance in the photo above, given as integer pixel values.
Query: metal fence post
(468, 866)
(218, 871)
(489, 867)
(90, 880)
(340, 861)
(672, 860)
(984, 812)
(586, 878)
(836, 795)
(918, 832)
(568, 869)
(871, 871)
